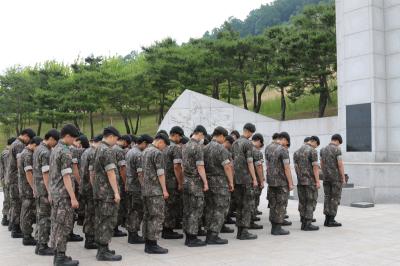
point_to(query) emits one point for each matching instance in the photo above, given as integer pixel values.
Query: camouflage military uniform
(76, 160)
(85, 190)
(172, 155)
(106, 210)
(258, 160)
(12, 177)
(133, 189)
(27, 217)
(193, 196)
(330, 155)
(153, 200)
(41, 162)
(278, 188)
(4, 182)
(121, 162)
(62, 215)
(304, 160)
(244, 192)
(218, 196)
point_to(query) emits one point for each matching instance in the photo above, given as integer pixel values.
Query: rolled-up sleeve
(159, 163)
(66, 171)
(314, 157)
(285, 157)
(122, 163)
(45, 168)
(110, 166)
(339, 155)
(28, 168)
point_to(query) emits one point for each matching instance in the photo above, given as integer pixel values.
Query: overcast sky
(37, 30)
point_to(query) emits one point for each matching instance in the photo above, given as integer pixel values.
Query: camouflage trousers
(15, 204)
(134, 206)
(88, 222)
(193, 206)
(6, 200)
(257, 195)
(244, 196)
(172, 208)
(43, 222)
(28, 213)
(106, 218)
(153, 218)
(308, 196)
(122, 213)
(278, 200)
(232, 204)
(333, 194)
(62, 220)
(216, 208)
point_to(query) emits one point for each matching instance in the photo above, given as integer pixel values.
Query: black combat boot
(213, 239)
(314, 220)
(243, 234)
(193, 241)
(326, 220)
(277, 230)
(118, 233)
(255, 219)
(135, 238)
(89, 242)
(28, 240)
(308, 226)
(226, 229)
(286, 216)
(258, 212)
(168, 233)
(80, 220)
(255, 226)
(16, 231)
(332, 222)
(286, 223)
(61, 260)
(74, 237)
(151, 247)
(229, 220)
(10, 226)
(201, 232)
(5, 221)
(104, 254)
(303, 223)
(43, 250)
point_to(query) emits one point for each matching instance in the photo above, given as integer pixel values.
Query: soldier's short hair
(98, 138)
(162, 136)
(126, 138)
(259, 137)
(145, 138)
(184, 140)
(52, 133)
(71, 130)
(218, 131)
(110, 130)
(316, 139)
(29, 132)
(230, 139)
(250, 127)
(275, 136)
(200, 129)
(337, 137)
(133, 138)
(11, 140)
(285, 135)
(84, 141)
(307, 139)
(235, 133)
(163, 131)
(36, 140)
(177, 130)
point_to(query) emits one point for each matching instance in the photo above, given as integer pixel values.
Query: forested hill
(267, 15)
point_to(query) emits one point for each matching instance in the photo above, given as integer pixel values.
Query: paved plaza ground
(368, 237)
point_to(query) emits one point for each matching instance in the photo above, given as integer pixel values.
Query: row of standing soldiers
(158, 184)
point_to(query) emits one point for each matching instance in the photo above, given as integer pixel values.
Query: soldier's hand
(291, 187)
(231, 188)
(255, 183)
(74, 204)
(343, 180)
(180, 187)
(205, 187)
(318, 185)
(165, 195)
(117, 198)
(262, 185)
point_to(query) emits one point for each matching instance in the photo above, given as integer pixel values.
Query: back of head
(184, 140)
(177, 130)
(11, 140)
(230, 139)
(285, 135)
(307, 139)
(70, 130)
(84, 141)
(110, 130)
(98, 138)
(162, 136)
(200, 129)
(337, 137)
(275, 136)
(36, 140)
(145, 138)
(127, 138)
(258, 137)
(218, 131)
(52, 133)
(249, 127)
(162, 131)
(316, 139)
(29, 132)
(235, 133)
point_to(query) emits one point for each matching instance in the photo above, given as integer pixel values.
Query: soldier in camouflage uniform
(245, 181)
(41, 167)
(62, 194)
(258, 160)
(307, 171)
(106, 194)
(134, 178)
(174, 180)
(3, 167)
(154, 192)
(334, 178)
(194, 186)
(26, 191)
(86, 192)
(12, 177)
(220, 180)
(229, 140)
(279, 179)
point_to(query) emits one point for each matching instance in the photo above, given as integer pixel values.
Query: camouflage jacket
(215, 158)
(192, 156)
(86, 165)
(242, 155)
(60, 165)
(276, 176)
(304, 160)
(268, 153)
(12, 169)
(330, 155)
(41, 164)
(3, 164)
(153, 167)
(172, 155)
(25, 163)
(120, 157)
(76, 158)
(133, 168)
(104, 160)
(258, 159)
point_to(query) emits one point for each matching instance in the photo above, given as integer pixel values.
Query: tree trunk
(131, 124)
(161, 112)
(229, 90)
(91, 124)
(76, 123)
(259, 98)
(137, 122)
(283, 104)
(323, 96)
(125, 118)
(39, 127)
(255, 97)
(215, 91)
(243, 88)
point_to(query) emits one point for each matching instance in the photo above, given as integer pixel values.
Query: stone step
(362, 204)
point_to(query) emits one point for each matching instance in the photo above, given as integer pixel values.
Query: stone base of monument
(350, 195)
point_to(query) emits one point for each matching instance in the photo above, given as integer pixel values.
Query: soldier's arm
(139, 169)
(29, 177)
(66, 171)
(250, 164)
(288, 172)
(200, 167)
(75, 171)
(314, 159)
(160, 166)
(122, 165)
(178, 167)
(45, 168)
